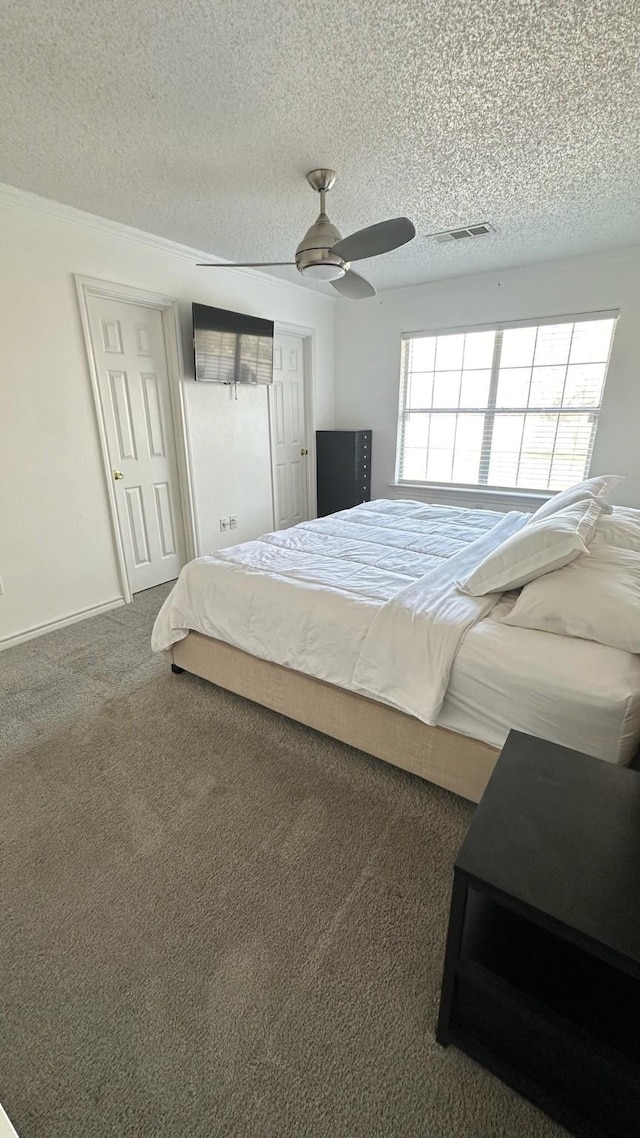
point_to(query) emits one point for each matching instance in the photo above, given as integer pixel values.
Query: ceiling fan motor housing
(314, 256)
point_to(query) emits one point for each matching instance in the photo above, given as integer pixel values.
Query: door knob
(117, 474)
(303, 450)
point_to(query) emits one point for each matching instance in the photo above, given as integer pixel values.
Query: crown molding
(617, 253)
(33, 203)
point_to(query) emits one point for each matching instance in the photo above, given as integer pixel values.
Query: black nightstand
(542, 969)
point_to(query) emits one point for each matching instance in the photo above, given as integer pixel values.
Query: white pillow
(543, 545)
(600, 487)
(621, 529)
(596, 597)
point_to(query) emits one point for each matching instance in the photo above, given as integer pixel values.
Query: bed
(352, 624)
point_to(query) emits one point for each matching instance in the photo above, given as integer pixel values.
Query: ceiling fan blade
(241, 264)
(354, 286)
(375, 239)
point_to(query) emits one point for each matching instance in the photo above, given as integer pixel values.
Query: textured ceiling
(198, 121)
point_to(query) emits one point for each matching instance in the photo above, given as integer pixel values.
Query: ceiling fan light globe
(323, 271)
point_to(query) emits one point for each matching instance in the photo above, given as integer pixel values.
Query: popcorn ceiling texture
(198, 121)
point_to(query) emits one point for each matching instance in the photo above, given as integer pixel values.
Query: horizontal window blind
(510, 408)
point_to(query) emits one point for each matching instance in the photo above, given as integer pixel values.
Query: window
(514, 407)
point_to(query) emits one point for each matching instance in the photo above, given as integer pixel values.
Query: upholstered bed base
(453, 761)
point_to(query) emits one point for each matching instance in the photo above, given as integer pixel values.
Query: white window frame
(479, 495)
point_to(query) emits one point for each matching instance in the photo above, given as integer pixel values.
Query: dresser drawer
(362, 488)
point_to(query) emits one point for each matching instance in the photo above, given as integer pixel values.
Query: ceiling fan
(326, 256)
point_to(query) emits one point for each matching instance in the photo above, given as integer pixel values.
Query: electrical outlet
(224, 524)
(233, 521)
(1, 587)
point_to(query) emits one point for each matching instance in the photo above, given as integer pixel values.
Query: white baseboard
(53, 625)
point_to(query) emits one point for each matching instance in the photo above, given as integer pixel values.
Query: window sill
(469, 496)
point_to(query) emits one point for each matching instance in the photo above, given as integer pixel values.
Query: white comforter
(363, 599)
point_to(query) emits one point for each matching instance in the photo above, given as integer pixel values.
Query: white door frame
(170, 312)
(308, 337)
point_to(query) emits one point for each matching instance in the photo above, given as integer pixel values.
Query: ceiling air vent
(478, 230)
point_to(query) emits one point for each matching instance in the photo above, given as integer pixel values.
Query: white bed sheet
(575, 692)
(307, 598)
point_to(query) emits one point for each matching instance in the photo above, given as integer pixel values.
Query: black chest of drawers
(343, 469)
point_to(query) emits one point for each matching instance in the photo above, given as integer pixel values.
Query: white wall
(368, 348)
(56, 550)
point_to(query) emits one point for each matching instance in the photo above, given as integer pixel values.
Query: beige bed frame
(454, 761)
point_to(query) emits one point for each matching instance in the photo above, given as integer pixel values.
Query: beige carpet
(214, 921)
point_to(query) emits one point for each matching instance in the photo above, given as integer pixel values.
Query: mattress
(310, 598)
(574, 692)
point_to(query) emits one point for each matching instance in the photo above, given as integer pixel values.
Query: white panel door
(289, 448)
(129, 350)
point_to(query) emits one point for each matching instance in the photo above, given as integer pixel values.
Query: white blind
(515, 407)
